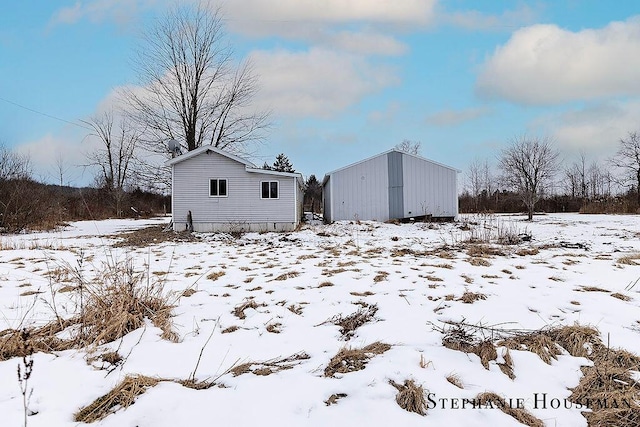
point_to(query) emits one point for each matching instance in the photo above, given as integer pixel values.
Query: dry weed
(455, 380)
(410, 397)
(528, 251)
(333, 399)
(238, 311)
(523, 416)
(478, 262)
(537, 342)
(230, 329)
(287, 275)
(215, 275)
(351, 360)
(631, 259)
(122, 396)
(350, 323)
(620, 296)
(460, 339)
(471, 297)
(269, 367)
(382, 275)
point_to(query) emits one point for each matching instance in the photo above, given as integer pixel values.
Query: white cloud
(45, 153)
(317, 82)
(597, 127)
(120, 11)
(475, 20)
(456, 117)
(544, 64)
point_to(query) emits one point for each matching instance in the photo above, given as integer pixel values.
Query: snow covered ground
(576, 269)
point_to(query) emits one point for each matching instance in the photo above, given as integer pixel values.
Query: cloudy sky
(346, 79)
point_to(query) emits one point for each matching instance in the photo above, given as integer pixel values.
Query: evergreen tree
(313, 193)
(282, 164)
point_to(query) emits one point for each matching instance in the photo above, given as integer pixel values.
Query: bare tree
(13, 165)
(192, 90)
(627, 159)
(528, 166)
(475, 182)
(409, 147)
(115, 157)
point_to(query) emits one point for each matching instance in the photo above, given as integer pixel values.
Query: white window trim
(269, 198)
(218, 179)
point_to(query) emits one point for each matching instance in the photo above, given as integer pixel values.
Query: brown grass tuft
(351, 360)
(455, 380)
(325, 284)
(287, 275)
(528, 251)
(478, 262)
(333, 399)
(523, 416)
(538, 343)
(578, 340)
(271, 366)
(459, 339)
(471, 297)
(215, 275)
(238, 311)
(410, 397)
(230, 329)
(382, 275)
(631, 259)
(122, 396)
(620, 296)
(350, 323)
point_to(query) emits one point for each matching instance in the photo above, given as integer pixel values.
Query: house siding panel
(243, 204)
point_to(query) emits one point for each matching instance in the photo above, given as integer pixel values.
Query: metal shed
(391, 185)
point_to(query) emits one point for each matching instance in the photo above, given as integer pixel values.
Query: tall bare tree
(192, 90)
(409, 147)
(115, 157)
(528, 167)
(628, 160)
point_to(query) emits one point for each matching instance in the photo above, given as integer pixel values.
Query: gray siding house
(225, 192)
(391, 185)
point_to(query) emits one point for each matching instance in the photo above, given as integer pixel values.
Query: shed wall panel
(360, 191)
(429, 188)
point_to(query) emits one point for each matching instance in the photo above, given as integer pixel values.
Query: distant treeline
(26, 204)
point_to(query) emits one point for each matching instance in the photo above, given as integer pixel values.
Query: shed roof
(328, 174)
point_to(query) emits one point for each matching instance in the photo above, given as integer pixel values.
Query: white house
(219, 191)
(391, 185)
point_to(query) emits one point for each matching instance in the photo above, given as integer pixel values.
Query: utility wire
(44, 114)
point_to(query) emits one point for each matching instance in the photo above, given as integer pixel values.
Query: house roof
(328, 174)
(204, 149)
(249, 167)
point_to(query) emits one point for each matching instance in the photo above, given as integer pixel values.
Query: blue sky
(346, 79)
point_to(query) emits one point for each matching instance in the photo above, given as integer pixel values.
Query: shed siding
(429, 188)
(396, 199)
(326, 201)
(360, 191)
(243, 203)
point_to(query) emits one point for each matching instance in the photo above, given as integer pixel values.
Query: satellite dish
(174, 147)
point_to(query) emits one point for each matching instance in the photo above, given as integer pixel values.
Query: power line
(44, 114)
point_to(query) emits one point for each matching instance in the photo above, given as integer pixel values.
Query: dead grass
(620, 296)
(484, 251)
(274, 328)
(592, 289)
(382, 275)
(122, 396)
(287, 275)
(349, 324)
(410, 397)
(538, 343)
(631, 259)
(188, 292)
(489, 399)
(151, 236)
(527, 251)
(230, 329)
(325, 284)
(460, 339)
(478, 262)
(351, 360)
(238, 311)
(471, 297)
(333, 399)
(455, 380)
(215, 275)
(269, 367)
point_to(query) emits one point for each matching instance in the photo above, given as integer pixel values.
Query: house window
(218, 187)
(269, 190)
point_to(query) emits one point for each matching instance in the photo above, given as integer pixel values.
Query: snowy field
(269, 303)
